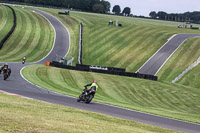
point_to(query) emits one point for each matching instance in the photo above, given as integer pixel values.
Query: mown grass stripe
(182, 59)
(8, 25)
(108, 40)
(33, 36)
(133, 38)
(105, 32)
(144, 95)
(15, 37)
(83, 19)
(98, 47)
(191, 78)
(115, 43)
(128, 51)
(3, 16)
(89, 53)
(115, 54)
(20, 42)
(29, 39)
(45, 39)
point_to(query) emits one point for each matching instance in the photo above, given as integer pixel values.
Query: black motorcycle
(87, 95)
(23, 61)
(6, 73)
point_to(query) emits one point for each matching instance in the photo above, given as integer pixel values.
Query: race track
(18, 85)
(155, 63)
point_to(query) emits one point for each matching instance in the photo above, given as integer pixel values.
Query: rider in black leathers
(5, 66)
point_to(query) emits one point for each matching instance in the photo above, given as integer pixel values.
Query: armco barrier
(105, 70)
(12, 29)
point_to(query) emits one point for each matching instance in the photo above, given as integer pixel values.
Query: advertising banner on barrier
(105, 70)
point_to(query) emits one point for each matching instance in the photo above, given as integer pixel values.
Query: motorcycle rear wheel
(90, 99)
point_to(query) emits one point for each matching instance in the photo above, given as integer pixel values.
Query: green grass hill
(33, 37)
(129, 46)
(6, 21)
(165, 99)
(20, 115)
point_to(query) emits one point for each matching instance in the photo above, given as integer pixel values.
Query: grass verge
(191, 78)
(186, 55)
(40, 117)
(165, 99)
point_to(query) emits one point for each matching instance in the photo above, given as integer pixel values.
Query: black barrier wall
(105, 70)
(12, 29)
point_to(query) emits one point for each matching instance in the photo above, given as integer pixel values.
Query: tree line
(99, 6)
(117, 11)
(182, 17)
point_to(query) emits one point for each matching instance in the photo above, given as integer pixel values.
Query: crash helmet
(6, 63)
(94, 81)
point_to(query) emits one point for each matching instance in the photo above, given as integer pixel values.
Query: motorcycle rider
(23, 60)
(4, 66)
(92, 85)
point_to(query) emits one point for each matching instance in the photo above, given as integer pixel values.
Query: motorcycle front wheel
(79, 98)
(5, 76)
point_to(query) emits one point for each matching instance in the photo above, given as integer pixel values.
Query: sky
(144, 7)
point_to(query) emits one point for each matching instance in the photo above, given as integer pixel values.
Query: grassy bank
(185, 56)
(129, 46)
(6, 22)
(191, 78)
(3, 16)
(33, 38)
(169, 100)
(39, 117)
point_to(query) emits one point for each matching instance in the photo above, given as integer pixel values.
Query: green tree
(85, 4)
(116, 9)
(106, 5)
(92, 3)
(98, 8)
(161, 15)
(126, 11)
(153, 14)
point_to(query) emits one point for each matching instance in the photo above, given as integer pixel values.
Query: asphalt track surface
(16, 84)
(155, 63)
